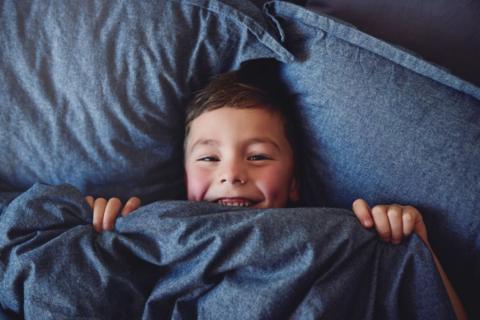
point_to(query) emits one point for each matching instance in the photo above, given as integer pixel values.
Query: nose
(233, 173)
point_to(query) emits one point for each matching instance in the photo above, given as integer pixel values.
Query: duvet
(184, 260)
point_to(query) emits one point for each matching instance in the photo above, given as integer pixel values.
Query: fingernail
(367, 223)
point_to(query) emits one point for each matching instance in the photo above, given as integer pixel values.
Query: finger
(98, 212)
(90, 201)
(421, 230)
(112, 210)
(132, 204)
(419, 225)
(362, 211)
(394, 214)
(380, 219)
(408, 220)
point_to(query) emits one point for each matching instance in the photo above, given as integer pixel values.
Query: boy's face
(240, 157)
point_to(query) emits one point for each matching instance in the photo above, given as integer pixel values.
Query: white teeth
(234, 204)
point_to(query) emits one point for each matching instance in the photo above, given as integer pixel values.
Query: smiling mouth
(235, 202)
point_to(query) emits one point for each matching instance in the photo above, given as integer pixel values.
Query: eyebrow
(263, 140)
(204, 142)
(215, 143)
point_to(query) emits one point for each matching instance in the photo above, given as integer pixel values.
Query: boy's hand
(392, 222)
(105, 212)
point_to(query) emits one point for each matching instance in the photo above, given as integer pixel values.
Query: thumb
(421, 229)
(132, 204)
(363, 212)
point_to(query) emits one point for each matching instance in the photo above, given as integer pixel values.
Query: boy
(239, 152)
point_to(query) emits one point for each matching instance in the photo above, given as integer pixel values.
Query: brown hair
(230, 90)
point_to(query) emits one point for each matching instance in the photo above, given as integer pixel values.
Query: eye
(208, 159)
(258, 157)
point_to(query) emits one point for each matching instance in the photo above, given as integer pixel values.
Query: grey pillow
(382, 124)
(92, 93)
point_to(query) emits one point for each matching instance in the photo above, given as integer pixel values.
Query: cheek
(274, 183)
(198, 182)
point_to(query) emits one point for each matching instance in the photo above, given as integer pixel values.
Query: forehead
(226, 124)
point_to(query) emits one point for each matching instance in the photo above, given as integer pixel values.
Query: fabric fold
(183, 260)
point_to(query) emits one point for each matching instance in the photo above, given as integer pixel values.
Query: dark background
(444, 32)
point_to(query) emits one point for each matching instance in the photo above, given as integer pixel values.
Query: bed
(92, 98)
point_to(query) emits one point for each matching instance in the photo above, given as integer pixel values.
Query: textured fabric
(181, 260)
(443, 31)
(92, 92)
(381, 124)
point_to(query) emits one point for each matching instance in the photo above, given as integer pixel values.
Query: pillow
(383, 125)
(92, 94)
(443, 31)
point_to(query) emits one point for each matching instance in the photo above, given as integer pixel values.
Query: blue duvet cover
(182, 260)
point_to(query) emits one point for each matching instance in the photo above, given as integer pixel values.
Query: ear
(294, 193)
